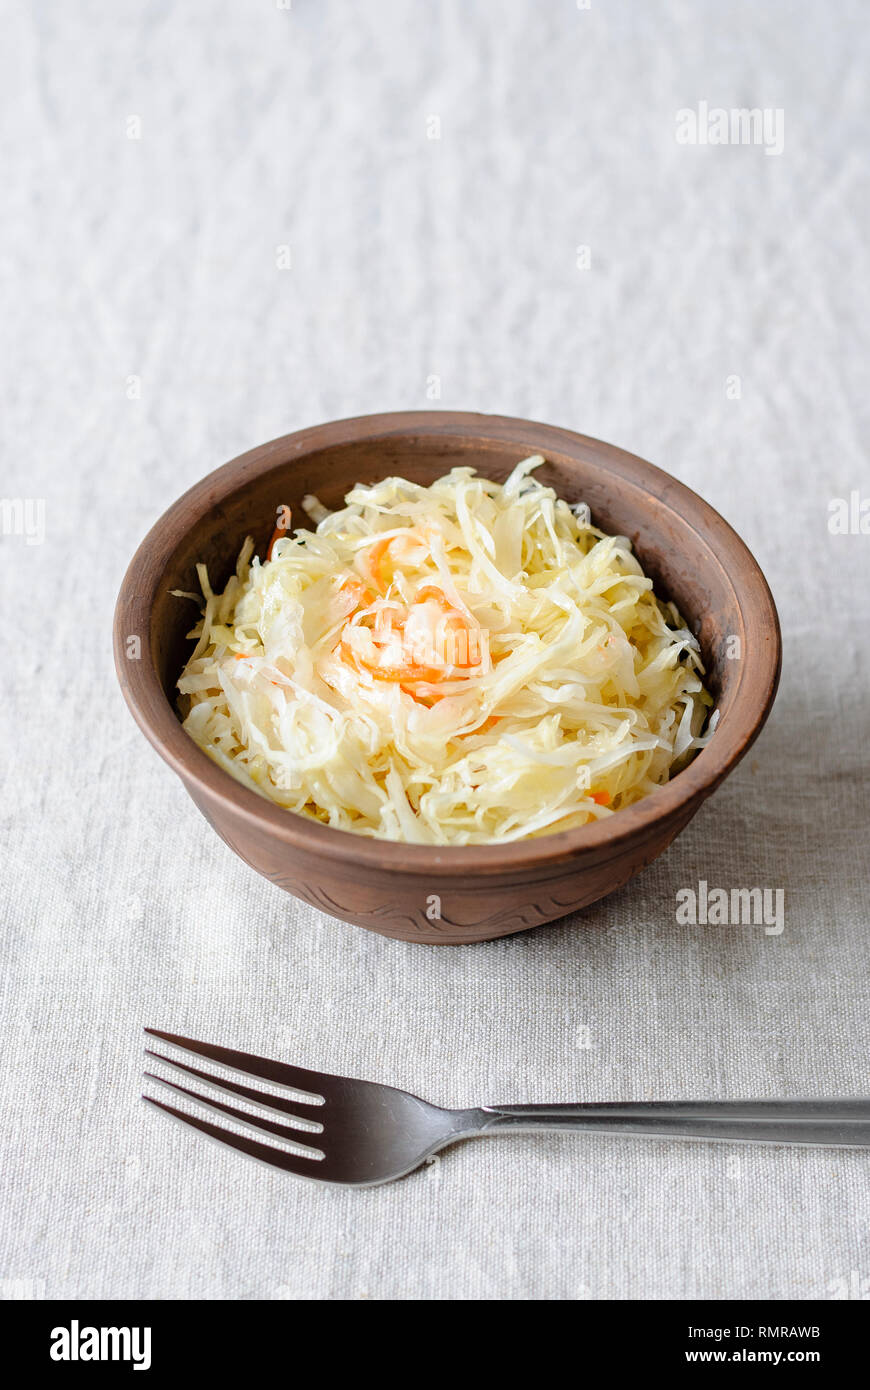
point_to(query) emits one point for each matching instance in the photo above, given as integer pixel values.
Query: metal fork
(365, 1133)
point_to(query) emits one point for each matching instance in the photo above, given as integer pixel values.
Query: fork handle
(844, 1123)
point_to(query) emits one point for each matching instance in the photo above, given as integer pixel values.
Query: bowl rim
(156, 717)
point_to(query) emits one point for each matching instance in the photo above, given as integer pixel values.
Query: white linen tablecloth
(223, 222)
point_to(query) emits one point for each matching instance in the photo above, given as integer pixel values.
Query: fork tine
(288, 1132)
(291, 1163)
(298, 1078)
(294, 1108)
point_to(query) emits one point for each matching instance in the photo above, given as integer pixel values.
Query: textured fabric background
(150, 335)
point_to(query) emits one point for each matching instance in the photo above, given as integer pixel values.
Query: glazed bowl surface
(419, 892)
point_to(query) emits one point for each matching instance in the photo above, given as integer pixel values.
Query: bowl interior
(671, 537)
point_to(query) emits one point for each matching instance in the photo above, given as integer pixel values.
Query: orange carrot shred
(279, 532)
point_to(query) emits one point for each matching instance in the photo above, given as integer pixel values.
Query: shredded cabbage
(465, 663)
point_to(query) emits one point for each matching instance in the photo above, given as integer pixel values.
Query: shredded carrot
(278, 534)
(360, 591)
(432, 591)
(423, 697)
(457, 622)
(601, 798)
(407, 672)
(374, 560)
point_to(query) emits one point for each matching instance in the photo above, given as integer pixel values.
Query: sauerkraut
(465, 663)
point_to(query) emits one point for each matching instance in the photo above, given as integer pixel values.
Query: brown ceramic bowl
(419, 892)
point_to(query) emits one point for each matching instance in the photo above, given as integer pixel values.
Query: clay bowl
(475, 893)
